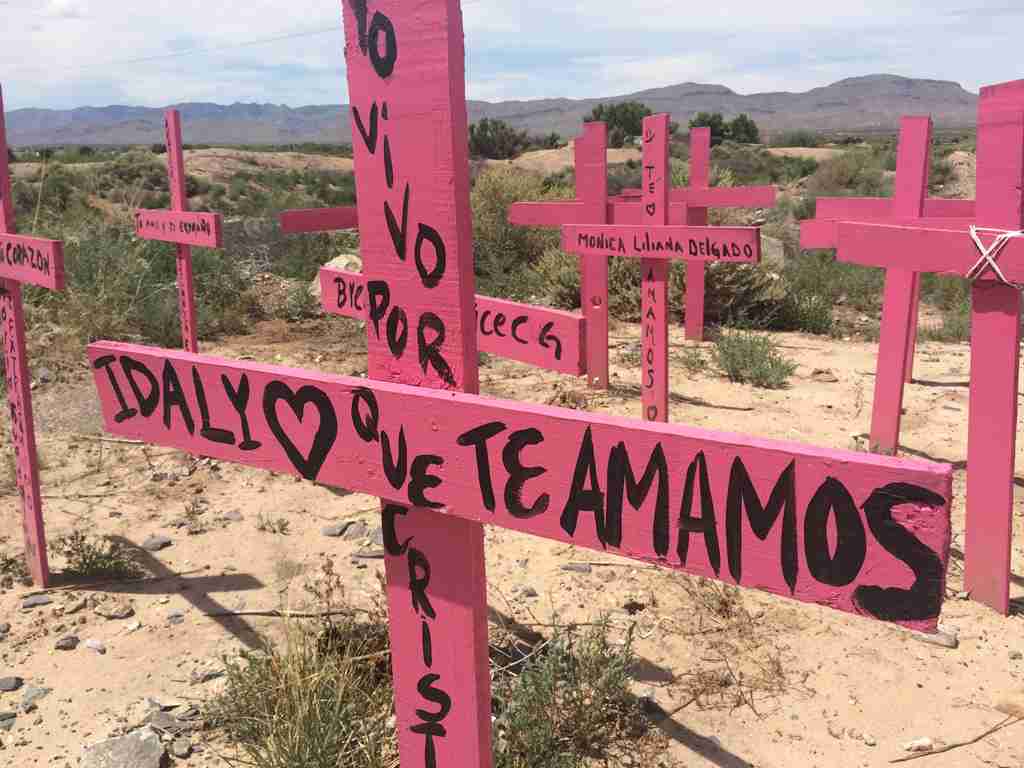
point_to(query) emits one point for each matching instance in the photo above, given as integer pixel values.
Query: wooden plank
(32, 260)
(591, 163)
(655, 176)
(482, 451)
(921, 249)
(13, 270)
(995, 364)
(181, 228)
(672, 242)
(824, 233)
(867, 208)
(726, 197)
(539, 336)
(700, 177)
(318, 219)
(406, 80)
(203, 230)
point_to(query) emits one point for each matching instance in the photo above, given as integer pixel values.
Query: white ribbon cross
(990, 253)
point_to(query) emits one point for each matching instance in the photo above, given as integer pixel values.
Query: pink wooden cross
(698, 197)
(854, 532)
(995, 332)
(37, 262)
(181, 227)
(656, 242)
(538, 336)
(902, 286)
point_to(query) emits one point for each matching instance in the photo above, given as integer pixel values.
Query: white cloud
(71, 52)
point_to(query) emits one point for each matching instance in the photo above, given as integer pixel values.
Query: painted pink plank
(710, 197)
(210, 229)
(664, 243)
(23, 437)
(16, 372)
(561, 474)
(863, 208)
(32, 260)
(1002, 94)
(898, 335)
(591, 163)
(318, 220)
(824, 233)
(653, 271)
(412, 177)
(199, 229)
(946, 251)
(700, 178)
(995, 356)
(539, 336)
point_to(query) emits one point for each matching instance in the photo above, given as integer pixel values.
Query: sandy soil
(847, 691)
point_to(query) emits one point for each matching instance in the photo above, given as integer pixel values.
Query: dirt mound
(549, 161)
(223, 164)
(965, 172)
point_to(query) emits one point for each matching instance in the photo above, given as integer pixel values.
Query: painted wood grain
(183, 228)
(656, 178)
(700, 178)
(32, 260)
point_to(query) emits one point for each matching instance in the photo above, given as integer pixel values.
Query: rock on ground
(141, 749)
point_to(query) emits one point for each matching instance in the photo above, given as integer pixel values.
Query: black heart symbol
(651, 208)
(309, 466)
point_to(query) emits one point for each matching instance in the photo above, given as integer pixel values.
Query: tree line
(497, 140)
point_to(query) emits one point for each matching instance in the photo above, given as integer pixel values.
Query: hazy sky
(67, 53)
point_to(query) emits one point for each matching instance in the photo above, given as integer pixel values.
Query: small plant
(748, 357)
(693, 360)
(12, 569)
(193, 521)
(268, 524)
(95, 557)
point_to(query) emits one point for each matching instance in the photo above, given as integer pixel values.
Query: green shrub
(857, 172)
(798, 139)
(505, 254)
(748, 357)
(496, 139)
(95, 558)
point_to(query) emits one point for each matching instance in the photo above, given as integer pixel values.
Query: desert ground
(818, 688)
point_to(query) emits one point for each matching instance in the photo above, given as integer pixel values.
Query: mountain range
(870, 103)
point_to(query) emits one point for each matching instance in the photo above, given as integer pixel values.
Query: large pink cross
(854, 532)
(910, 205)
(995, 326)
(656, 242)
(181, 227)
(37, 262)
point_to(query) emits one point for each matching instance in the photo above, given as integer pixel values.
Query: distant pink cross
(37, 262)
(995, 326)
(181, 227)
(656, 242)
(697, 198)
(902, 285)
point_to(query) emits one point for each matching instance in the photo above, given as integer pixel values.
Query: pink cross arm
(820, 232)
(942, 250)
(32, 260)
(203, 230)
(319, 219)
(671, 242)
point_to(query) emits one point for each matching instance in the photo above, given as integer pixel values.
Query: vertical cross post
(406, 79)
(700, 178)
(181, 227)
(995, 364)
(592, 191)
(654, 272)
(179, 202)
(40, 262)
(897, 338)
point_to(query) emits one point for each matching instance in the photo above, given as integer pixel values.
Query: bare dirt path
(828, 689)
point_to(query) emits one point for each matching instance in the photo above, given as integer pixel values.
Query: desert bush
(624, 120)
(755, 165)
(496, 139)
(323, 697)
(505, 254)
(120, 288)
(749, 357)
(818, 273)
(797, 139)
(857, 172)
(91, 557)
